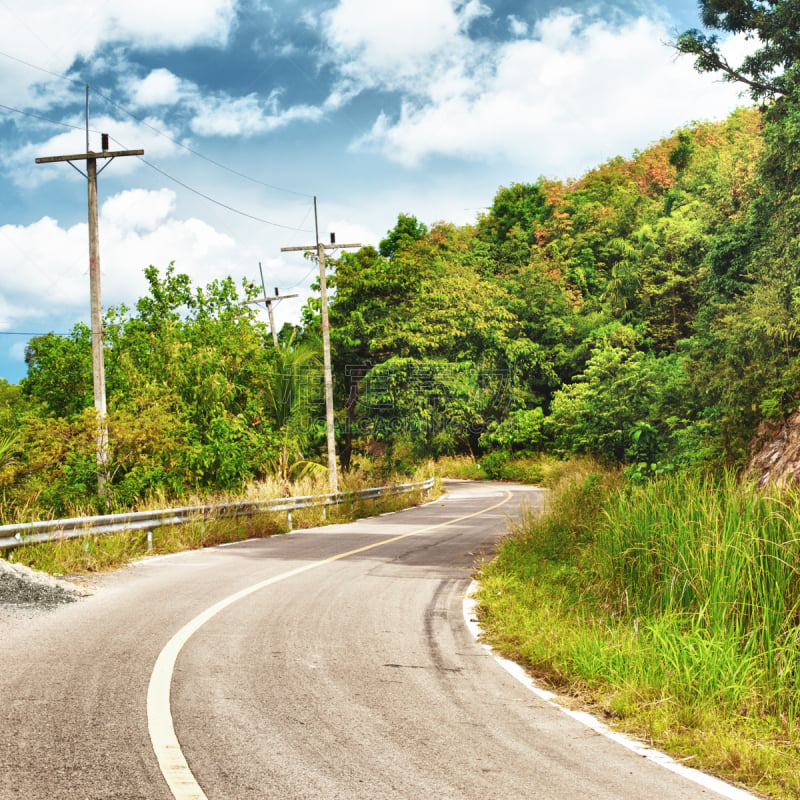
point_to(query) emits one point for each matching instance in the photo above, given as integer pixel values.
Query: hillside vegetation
(646, 314)
(636, 314)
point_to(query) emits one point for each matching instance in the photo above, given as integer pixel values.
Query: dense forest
(634, 314)
(647, 313)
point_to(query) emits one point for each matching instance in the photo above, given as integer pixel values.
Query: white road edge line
(171, 760)
(515, 670)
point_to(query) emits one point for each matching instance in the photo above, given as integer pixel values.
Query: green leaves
(60, 371)
(198, 399)
(522, 430)
(622, 406)
(407, 231)
(772, 69)
(439, 406)
(511, 225)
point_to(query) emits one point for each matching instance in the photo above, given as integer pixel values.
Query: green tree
(193, 395)
(373, 299)
(622, 393)
(746, 345)
(426, 304)
(522, 430)
(199, 354)
(746, 366)
(510, 228)
(407, 231)
(60, 371)
(296, 402)
(772, 70)
(12, 403)
(12, 406)
(437, 407)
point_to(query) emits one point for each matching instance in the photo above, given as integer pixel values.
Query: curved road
(331, 663)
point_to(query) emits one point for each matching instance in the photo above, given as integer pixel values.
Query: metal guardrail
(48, 530)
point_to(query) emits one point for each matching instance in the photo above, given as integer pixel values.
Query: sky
(249, 109)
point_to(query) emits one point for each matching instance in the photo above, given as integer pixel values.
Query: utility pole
(320, 248)
(269, 301)
(98, 366)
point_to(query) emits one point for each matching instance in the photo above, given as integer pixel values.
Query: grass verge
(539, 469)
(672, 609)
(98, 553)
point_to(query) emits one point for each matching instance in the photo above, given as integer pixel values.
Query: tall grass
(674, 606)
(718, 564)
(540, 469)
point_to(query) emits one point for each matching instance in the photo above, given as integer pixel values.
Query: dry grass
(110, 551)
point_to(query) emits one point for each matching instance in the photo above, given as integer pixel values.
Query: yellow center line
(171, 760)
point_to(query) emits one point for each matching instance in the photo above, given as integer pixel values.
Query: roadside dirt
(25, 591)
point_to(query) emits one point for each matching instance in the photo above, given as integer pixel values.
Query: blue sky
(246, 109)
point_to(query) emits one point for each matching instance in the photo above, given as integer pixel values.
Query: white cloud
(45, 282)
(560, 101)
(155, 24)
(139, 209)
(396, 42)
(22, 86)
(42, 260)
(247, 116)
(161, 87)
(220, 114)
(197, 248)
(517, 26)
(47, 264)
(60, 31)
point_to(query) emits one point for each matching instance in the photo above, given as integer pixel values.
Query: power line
(198, 154)
(175, 180)
(305, 278)
(219, 202)
(45, 119)
(40, 69)
(174, 141)
(28, 333)
(142, 122)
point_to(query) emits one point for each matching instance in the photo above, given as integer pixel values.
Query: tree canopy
(773, 69)
(647, 312)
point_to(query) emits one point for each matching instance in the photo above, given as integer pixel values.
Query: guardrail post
(17, 534)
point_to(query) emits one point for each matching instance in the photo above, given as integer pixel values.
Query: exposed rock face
(775, 452)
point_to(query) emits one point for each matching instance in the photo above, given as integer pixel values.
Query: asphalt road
(330, 663)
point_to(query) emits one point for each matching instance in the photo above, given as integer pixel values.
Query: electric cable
(218, 202)
(145, 124)
(45, 119)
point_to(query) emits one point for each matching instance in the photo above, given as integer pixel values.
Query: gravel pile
(24, 587)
